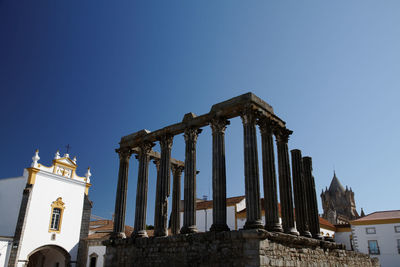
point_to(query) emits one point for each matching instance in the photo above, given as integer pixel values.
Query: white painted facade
(10, 199)
(326, 232)
(99, 252)
(49, 186)
(386, 237)
(344, 238)
(5, 249)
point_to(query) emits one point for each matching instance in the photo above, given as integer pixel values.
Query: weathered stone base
(235, 248)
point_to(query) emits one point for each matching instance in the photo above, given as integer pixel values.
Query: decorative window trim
(370, 230)
(58, 204)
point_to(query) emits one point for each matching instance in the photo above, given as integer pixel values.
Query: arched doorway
(49, 256)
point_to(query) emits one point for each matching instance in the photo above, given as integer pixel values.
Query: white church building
(45, 214)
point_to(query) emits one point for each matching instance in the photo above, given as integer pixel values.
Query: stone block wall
(249, 248)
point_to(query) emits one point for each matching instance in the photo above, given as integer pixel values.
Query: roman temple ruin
(295, 241)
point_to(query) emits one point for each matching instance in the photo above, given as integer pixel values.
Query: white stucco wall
(5, 249)
(343, 238)
(47, 188)
(11, 190)
(326, 232)
(100, 251)
(230, 217)
(387, 242)
(204, 219)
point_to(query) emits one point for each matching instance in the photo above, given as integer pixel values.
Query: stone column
(285, 185)
(269, 177)
(156, 162)
(189, 214)
(218, 127)
(120, 199)
(176, 199)
(141, 191)
(251, 174)
(300, 199)
(162, 192)
(312, 213)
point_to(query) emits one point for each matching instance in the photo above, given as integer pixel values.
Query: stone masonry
(255, 247)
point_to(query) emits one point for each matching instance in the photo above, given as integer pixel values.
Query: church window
(93, 260)
(55, 219)
(397, 228)
(370, 230)
(57, 210)
(373, 247)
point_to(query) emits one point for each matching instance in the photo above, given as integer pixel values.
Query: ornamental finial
(35, 159)
(74, 160)
(88, 174)
(57, 155)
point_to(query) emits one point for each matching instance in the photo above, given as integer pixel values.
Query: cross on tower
(68, 147)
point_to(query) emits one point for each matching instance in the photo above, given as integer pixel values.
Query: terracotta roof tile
(101, 229)
(380, 215)
(208, 204)
(326, 224)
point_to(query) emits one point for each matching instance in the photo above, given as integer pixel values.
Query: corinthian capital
(282, 134)
(218, 125)
(145, 147)
(176, 169)
(249, 115)
(166, 141)
(191, 134)
(124, 153)
(267, 125)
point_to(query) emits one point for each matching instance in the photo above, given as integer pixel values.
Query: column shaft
(161, 218)
(189, 215)
(157, 205)
(120, 199)
(269, 178)
(285, 185)
(176, 199)
(141, 191)
(251, 172)
(218, 127)
(312, 212)
(300, 199)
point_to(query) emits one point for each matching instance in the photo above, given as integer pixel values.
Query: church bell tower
(338, 203)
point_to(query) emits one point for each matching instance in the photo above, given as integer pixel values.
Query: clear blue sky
(86, 73)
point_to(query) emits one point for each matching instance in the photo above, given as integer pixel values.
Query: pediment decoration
(64, 167)
(58, 203)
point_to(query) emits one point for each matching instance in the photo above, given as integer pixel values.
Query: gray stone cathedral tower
(338, 203)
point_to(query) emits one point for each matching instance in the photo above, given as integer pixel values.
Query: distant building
(236, 215)
(99, 231)
(378, 234)
(338, 203)
(44, 214)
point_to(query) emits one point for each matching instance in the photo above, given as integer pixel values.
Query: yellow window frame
(59, 204)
